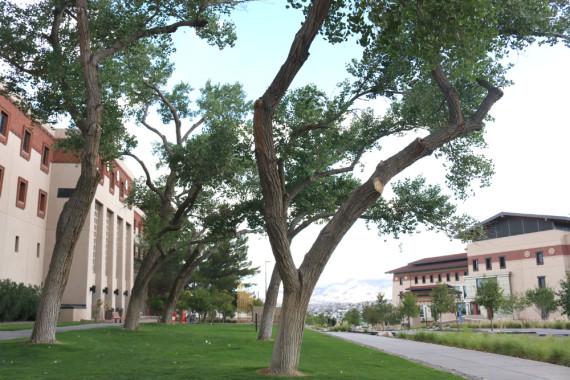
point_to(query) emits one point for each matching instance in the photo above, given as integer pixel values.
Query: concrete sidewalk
(468, 363)
(7, 335)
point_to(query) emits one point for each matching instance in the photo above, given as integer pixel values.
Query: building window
(3, 126)
(439, 277)
(38, 250)
(122, 189)
(476, 265)
(45, 158)
(423, 279)
(431, 278)
(502, 262)
(112, 182)
(456, 276)
(447, 277)
(488, 264)
(539, 258)
(541, 281)
(42, 203)
(26, 144)
(21, 193)
(1, 178)
(17, 244)
(401, 283)
(416, 279)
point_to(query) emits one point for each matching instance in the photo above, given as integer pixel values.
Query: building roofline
(503, 214)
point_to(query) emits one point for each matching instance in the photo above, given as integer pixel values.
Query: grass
(15, 326)
(194, 352)
(559, 325)
(546, 349)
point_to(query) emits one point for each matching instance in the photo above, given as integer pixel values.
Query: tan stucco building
(35, 182)
(520, 251)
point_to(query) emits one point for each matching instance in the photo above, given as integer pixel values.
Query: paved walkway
(7, 335)
(468, 363)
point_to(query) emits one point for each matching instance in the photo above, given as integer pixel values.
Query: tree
(78, 59)
(204, 160)
(490, 295)
(352, 317)
(371, 314)
(409, 60)
(513, 304)
(442, 301)
(564, 295)
(410, 308)
(543, 299)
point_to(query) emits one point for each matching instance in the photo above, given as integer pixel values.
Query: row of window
(431, 278)
(22, 194)
(503, 262)
(26, 145)
(17, 246)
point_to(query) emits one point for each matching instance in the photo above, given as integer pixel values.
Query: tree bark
(192, 262)
(266, 323)
(76, 209)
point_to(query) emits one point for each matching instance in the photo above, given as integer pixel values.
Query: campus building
(35, 182)
(519, 251)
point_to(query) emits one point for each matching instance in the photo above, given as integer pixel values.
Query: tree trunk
(287, 347)
(266, 323)
(192, 262)
(150, 264)
(76, 209)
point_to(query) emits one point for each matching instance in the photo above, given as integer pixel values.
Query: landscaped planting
(194, 352)
(560, 325)
(546, 349)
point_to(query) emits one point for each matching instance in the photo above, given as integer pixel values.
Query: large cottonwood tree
(439, 65)
(76, 59)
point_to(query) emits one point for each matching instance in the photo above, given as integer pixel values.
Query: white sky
(529, 140)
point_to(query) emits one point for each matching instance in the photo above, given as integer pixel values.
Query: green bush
(560, 325)
(18, 302)
(547, 349)
(341, 328)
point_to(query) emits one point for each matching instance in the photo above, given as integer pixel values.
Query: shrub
(18, 302)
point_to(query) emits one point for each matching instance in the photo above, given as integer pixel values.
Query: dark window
(45, 157)
(423, 279)
(416, 279)
(27, 142)
(21, 193)
(541, 282)
(38, 250)
(3, 124)
(17, 244)
(488, 264)
(122, 189)
(465, 273)
(439, 277)
(42, 203)
(431, 278)
(112, 182)
(539, 258)
(502, 262)
(456, 276)
(447, 277)
(64, 192)
(401, 283)
(475, 265)
(1, 178)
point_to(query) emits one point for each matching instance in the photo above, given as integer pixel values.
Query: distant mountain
(351, 291)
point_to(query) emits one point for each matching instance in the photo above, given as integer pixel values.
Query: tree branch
(149, 182)
(193, 128)
(306, 223)
(172, 110)
(165, 142)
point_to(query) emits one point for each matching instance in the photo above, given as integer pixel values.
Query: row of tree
(100, 63)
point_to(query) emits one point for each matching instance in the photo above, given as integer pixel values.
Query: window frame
(423, 279)
(415, 279)
(488, 263)
(475, 265)
(456, 276)
(112, 180)
(541, 281)
(431, 278)
(42, 212)
(401, 281)
(19, 203)
(1, 178)
(45, 166)
(26, 153)
(502, 262)
(439, 277)
(448, 277)
(539, 255)
(17, 244)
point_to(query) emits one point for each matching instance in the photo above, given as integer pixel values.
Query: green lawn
(546, 349)
(14, 326)
(194, 352)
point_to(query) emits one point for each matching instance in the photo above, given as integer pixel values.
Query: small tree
(513, 304)
(564, 295)
(352, 317)
(543, 299)
(410, 308)
(371, 314)
(490, 295)
(442, 302)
